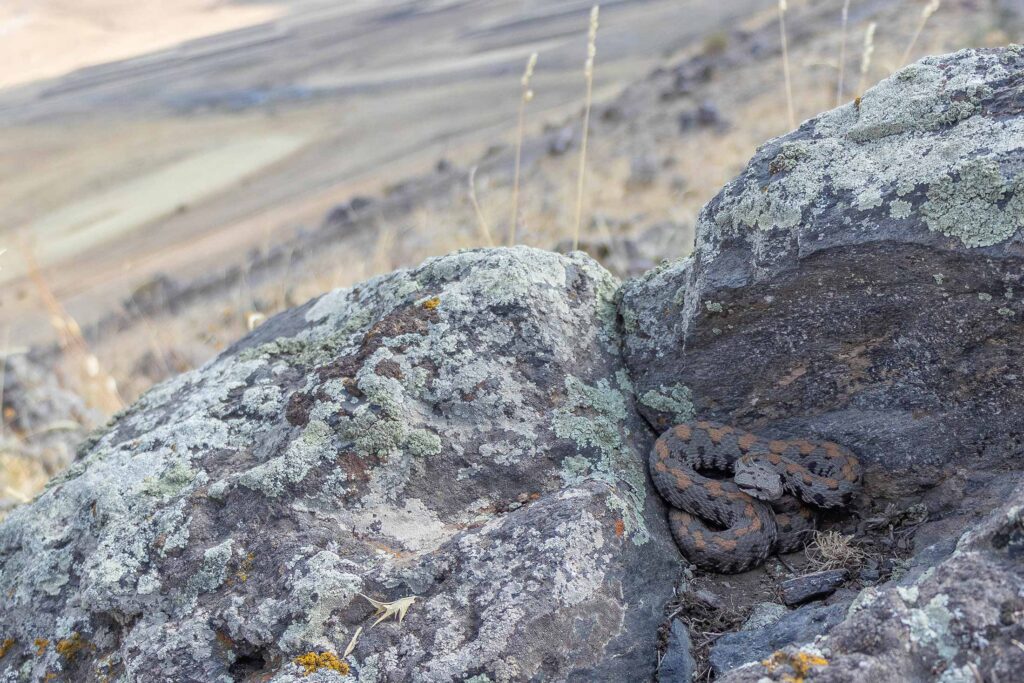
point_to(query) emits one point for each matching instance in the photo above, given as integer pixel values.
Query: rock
(705, 115)
(561, 141)
(643, 171)
(678, 665)
(961, 621)
(43, 421)
(462, 433)
(870, 267)
(344, 213)
(801, 589)
(794, 627)
(764, 614)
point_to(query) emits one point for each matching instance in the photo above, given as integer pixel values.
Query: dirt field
(187, 157)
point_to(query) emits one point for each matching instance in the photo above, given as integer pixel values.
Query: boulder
(868, 270)
(862, 281)
(961, 621)
(799, 626)
(462, 435)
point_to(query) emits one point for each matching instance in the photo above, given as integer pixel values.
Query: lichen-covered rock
(862, 280)
(960, 622)
(462, 432)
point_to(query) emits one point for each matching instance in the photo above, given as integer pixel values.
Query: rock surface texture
(463, 433)
(466, 434)
(862, 281)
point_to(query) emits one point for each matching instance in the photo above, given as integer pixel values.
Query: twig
(785, 64)
(527, 95)
(927, 12)
(588, 73)
(865, 59)
(842, 53)
(481, 221)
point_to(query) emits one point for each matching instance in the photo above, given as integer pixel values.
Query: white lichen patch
(921, 129)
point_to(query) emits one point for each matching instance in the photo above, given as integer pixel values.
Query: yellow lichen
(41, 645)
(801, 664)
(312, 662)
(432, 303)
(69, 647)
(245, 567)
(6, 646)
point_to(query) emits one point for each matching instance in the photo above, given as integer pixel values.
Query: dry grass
(833, 550)
(96, 386)
(524, 99)
(785, 64)
(588, 74)
(926, 13)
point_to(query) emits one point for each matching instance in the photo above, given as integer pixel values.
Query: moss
(676, 401)
(976, 203)
(311, 662)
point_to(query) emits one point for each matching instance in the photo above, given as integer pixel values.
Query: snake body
(717, 523)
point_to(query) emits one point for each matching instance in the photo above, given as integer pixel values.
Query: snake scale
(730, 526)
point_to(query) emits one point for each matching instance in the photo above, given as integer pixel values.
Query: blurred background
(172, 173)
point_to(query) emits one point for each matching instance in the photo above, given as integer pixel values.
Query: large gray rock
(862, 280)
(958, 623)
(462, 432)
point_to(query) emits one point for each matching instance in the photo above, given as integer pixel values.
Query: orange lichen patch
(245, 567)
(778, 446)
(620, 528)
(724, 544)
(6, 646)
(41, 645)
(69, 647)
(312, 662)
(801, 663)
(432, 303)
(683, 432)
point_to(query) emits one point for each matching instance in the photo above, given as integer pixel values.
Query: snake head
(757, 478)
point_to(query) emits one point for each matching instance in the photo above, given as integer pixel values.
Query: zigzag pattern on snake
(732, 526)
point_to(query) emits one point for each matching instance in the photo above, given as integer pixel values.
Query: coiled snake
(732, 526)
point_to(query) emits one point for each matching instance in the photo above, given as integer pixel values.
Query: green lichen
(713, 306)
(593, 417)
(900, 209)
(676, 400)
(303, 454)
(422, 443)
(976, 203)
(172, 482)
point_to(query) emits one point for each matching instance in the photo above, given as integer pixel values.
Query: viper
(730, 526)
